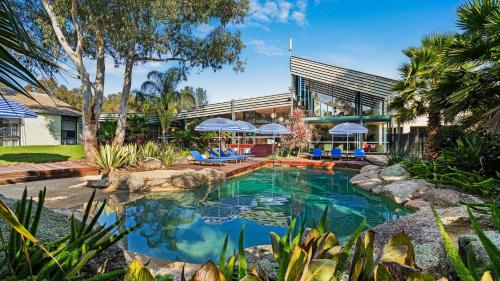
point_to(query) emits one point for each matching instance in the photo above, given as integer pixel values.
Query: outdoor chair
(198, 158)
(359, 154)
(232, 154)
(221, 156)
(316, 153)
(337, 153)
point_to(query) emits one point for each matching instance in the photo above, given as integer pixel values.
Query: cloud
(282, 11)
(266, 48)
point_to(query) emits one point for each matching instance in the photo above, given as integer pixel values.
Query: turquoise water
(191, 226)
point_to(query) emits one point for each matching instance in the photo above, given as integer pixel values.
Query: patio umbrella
(347, 129)
(245, 127)
(217, 125)
(12, 109)
(273, 129)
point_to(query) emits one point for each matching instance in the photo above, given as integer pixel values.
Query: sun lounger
(220, 156)
(359, 154)
(198, 158)
(232, 154)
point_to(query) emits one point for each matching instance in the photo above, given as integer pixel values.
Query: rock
(393, 173)
(159, 182)
(418, 204)
(358, 179)
(103, 182)
(264, 255)
(189, 181)
(368, 185)
(402, 191)
(369, 168)
(109, 260)
(480, 256)
(425, 237)
(150, 163)
(213, 175)
(442, 197)
(133, 183)
(377, 189)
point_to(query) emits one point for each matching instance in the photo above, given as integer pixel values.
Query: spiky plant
(25, 258)
(110, 157)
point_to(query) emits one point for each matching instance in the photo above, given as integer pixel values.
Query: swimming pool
(191, 226)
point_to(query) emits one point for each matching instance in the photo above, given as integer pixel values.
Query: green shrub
(169, 155)
(132, 153)
(396, 154)
(27, 259)
(150, 149)
(106, 131)
(110, 157)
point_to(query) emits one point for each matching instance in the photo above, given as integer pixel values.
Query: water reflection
(190, 226)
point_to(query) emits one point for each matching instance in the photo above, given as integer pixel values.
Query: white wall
(420, 121)
(43, 130)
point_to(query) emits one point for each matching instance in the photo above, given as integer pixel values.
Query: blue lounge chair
(316, 153)
(359, 153)
(337, 153)
(232, 154)
(215, 155)
(198, 158)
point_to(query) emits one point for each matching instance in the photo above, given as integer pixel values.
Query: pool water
(191, 226)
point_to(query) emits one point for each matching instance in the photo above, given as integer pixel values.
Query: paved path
(34, 172)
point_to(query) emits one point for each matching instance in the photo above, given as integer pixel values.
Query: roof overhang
(339, 119)
(342, 83)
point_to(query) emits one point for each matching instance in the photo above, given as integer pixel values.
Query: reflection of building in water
(226, 209)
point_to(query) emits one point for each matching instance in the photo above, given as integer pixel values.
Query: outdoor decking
(232, 169)
(34, 172)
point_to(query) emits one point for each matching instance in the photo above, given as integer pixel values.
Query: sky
(365, 35)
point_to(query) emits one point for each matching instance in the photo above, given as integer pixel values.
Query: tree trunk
(127, 81)
(433, 124)
(164, 134)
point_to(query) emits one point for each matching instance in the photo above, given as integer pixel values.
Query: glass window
(10, 131)
(68, 130)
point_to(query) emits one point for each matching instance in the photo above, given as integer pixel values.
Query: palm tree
(470, 88)
(419, 79)
(15, 45)
(158, 95)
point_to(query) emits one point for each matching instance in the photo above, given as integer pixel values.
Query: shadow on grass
(32, 157)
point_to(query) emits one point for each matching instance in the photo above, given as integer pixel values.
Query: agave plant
(58, 260)
(132, 152)
(110, 157)
(168, 155)
(150, 149)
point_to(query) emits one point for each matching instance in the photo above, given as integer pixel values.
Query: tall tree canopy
(131, 32)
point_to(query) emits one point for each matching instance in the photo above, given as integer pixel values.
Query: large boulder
(103, 182)
(263, 254)
(198, 178)
(402, 191)
(394, 173)
(442, 197)
(367, 180)
(479, 254)
(213, 175)
(425, 237)
(150, 163)
(369, 168)
(133, 183)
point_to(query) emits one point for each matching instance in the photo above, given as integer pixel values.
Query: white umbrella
(273, 129)
(217, 125)
(245, 127)
(347, 129)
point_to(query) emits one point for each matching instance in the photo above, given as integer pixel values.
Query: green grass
(40, 154)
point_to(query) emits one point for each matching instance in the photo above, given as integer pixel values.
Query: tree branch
(159, 59)
(58, 31)
(79, 36)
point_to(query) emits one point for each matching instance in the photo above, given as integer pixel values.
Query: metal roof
(240, 105)
(341, 82)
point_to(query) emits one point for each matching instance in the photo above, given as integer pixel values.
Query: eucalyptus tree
(169, 31)
(86, 32)
(469, 91)
(420, 76)
(159, 95)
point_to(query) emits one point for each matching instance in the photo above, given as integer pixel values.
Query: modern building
(56, 123)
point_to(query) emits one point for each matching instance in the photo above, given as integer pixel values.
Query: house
(56, 123)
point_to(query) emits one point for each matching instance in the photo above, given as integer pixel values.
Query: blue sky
(366, 35)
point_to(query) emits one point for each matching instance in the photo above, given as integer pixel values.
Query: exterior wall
(420, 121)
(43, 130)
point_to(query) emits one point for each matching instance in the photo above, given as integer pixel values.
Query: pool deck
(233, 169)
(10, 174)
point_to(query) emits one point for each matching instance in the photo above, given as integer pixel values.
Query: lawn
(40, 153)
